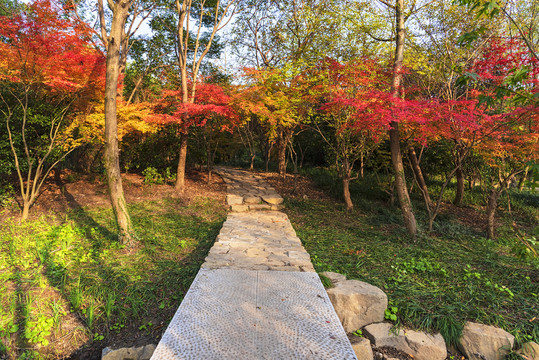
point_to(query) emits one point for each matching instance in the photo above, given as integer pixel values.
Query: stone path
(247, 191)
(257, 295)
(264, 240)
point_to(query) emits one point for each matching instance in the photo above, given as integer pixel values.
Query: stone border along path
(257, 295)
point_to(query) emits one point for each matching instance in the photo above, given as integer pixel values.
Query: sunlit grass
(68, 280)
(436, 281)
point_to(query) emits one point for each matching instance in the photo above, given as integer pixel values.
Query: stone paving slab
(248, 191)
(245, 314)
(258, 241)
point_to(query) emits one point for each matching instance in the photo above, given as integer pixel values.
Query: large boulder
(529, 351)
(420, 345)
(132, 353)
(362, 348)
(483, 342)
(357, 303)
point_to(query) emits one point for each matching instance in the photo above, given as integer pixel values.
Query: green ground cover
(65, 282)
(437, 281)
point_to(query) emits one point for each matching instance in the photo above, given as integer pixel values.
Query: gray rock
(273, 199)
(239, 208)
(363, 349)
(357, 303)
(251, 199)
(257, 207)
(147, 352)
(483, 342)
(334, 277)
(530, 351)
(234, 199)
(300, 255)
(132, 353)
(420, 345)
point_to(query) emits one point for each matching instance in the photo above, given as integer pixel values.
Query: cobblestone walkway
(257, 295)
(248, 192)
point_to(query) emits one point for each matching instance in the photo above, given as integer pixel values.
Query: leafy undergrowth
(66, 284)
(436, 282)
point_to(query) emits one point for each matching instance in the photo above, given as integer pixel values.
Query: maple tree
(507, 79)
(209, 110)
(490, 118)
(275, 97)
(193, 26)
(347, 106)
(131, 120)
(462, 124)
(48, 71)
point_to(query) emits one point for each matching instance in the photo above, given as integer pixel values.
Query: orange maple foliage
(45, 47)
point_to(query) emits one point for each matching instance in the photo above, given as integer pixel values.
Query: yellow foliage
(131, 119)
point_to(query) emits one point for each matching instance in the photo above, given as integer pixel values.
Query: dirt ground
(71, 190)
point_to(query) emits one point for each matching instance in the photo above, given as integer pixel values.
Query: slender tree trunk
(267, 154)
(459, 195)
(471, 181)
(523, 178)
(347, 174)
(252, 165)
(180, 176)
(209, 162)
(491, 212)
(111, 155)
(281, 154)
(361, 165)
(346, 193)
(266, 163)
(394, 136)
(419, 175)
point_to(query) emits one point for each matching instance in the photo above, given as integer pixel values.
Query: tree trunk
(471, 182)
(419, 175)
(394, 136)
(180, 176)
(491, 213)
(209, 161)
(25, 210)
(346, 193)
(251, 166)
(267, 154)
(361, 165)
(347, 174)
(523, 178)
(460, 183)
(112, 154)
(266, 163)
(281, 154)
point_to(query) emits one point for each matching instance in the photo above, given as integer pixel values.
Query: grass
(436, 282)
(66, 283)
